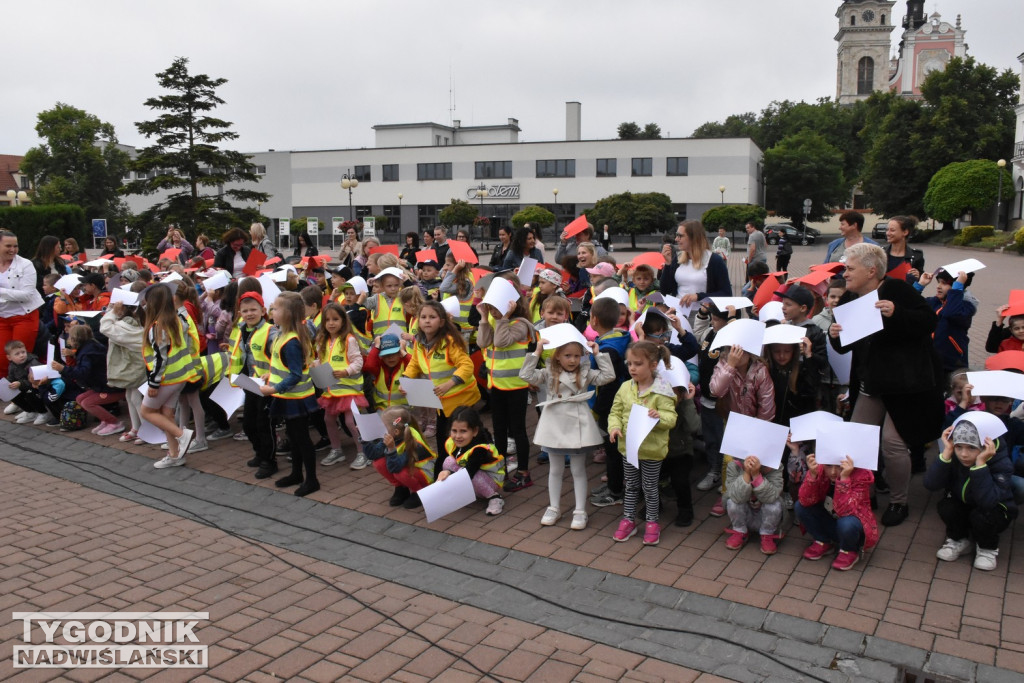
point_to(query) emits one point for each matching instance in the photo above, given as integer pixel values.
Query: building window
(883, 20)
(677, 166)
(363, 211)
(439, 171)
(25, 184)
(680, 211)
(853, 20)
(606, 168)
(389, 173)
(493, 169)
(361, 173)
(260, 170)
(865, 76)
(643, 166)
(556, 168)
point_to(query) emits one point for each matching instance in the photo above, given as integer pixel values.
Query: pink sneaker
(652, 534)
(130, 435)
(769, 546)
(736, 540)
(817, 550)
(718, 509)
(845, 560)
(625, 531)
(110, 428)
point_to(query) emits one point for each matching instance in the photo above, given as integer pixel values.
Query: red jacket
(851, 498)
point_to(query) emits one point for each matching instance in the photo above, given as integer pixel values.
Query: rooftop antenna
(451, 95)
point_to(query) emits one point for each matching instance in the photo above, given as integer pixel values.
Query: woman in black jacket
(235, 252)
(47, 260)
(697, 272)
(304, 245)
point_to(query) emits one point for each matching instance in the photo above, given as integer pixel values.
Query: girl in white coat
(566, 426)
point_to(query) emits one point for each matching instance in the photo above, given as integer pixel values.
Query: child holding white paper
(648, 389)
(335, 345)
(125, 368)
(19, 361)
(470, 446)
(753, 499)
(402, 457)
(566, 428)
(250, 356)
(848, 522)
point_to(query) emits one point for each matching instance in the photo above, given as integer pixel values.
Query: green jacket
(659, 396)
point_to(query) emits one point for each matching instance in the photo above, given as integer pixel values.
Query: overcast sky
(317, 74)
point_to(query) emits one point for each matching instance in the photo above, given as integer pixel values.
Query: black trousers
(984, 525)
(508, 413)
(256, 423)
(30, 401)
(303, 455)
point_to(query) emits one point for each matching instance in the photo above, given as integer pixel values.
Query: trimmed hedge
(974, 233)
(31, 223)
(1018, 240)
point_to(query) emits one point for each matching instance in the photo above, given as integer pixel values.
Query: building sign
(285, 227)
(505, 191)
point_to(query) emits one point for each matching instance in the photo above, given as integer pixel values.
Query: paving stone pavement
(711, 634)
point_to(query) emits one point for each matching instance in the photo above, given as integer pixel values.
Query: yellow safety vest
(337, 358)
(504, 364)
(426, 464)
(212, 367)
(495, 469)
(634, 301)
(382, 318)
(181, 365)
(462, 319)
(279, 371)
(389, 395)
(259, 348)
(437, 366)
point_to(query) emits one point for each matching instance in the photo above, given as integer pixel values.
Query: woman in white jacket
(567, 427)
(125, 367)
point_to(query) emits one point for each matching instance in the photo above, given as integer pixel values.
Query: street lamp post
(349, 183)
(1001, 164)
(721, 189)
(555, 192)
(400, 195)
(481, 192)
(17, 198)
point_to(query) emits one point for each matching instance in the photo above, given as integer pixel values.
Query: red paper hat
(1006, 360)
(654, 259)
(170, 254)
(385, 249)
(462, 251)
(814, 278)
(426, 255)
(577, 226)
(272, 261)
(480, 272)
(253, 263)
(767, 290)
(66, 257)
(831, 267)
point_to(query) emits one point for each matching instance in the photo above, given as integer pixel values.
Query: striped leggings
(647, 477)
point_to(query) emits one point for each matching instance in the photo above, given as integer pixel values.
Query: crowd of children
(161, 338)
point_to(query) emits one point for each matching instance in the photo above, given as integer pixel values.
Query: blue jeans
(848, 532)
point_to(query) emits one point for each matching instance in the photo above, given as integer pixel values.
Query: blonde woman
(261, 242)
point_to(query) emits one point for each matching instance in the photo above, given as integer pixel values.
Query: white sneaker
(168, 461)
(985, 559)
(240, 436)
(11, 409)
(511, 448)
(185, 441)
(495, 506)
(198, 447)
(360, 462)
(41, 419)
(711, 480)
(579, 520)
(551, 515)
(334, 456)
(951, 549)
(25, 418)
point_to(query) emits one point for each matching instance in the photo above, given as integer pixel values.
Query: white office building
(416, 169)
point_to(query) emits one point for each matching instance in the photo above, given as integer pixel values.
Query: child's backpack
(72, 417)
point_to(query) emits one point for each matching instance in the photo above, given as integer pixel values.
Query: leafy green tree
(733, 216)
(629, 131)
(965, 186)
(78, 163)
(890, 180)
(635, 214)
(652, 131)
(201, 179)
(534, 215)
(734, 126)
(459, 212)
(804, 166)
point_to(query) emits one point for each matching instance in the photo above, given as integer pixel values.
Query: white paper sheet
(420, 392)
(323, 376)
(737, 302)
(969, 265)
(51, 355)
(150, 434)
(989, 426)
(859, 441)
(359, 285)
(270, 290)
(6, 393)
(784, 334)
(228, 397)
(173, 276)
(859, 318)
(997, 383)
(394, 330)
(97, 263)
(217, 281)
(639, 426)
(805, 427)
(617, 294)
(500, 294)
(370, 426)
(445, 497)
(68, 283)
(677, 375)
(451, 305)
(745, 332)
(397, 272)
(84, 314)
(247, 383)
(562, 334)
(770, 311)
(41, 372)
(123, 296)
(281, 274)
(745, 436)
(842, 363)
(526, 270)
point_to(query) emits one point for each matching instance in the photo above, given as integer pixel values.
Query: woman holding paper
(47, 260)
(174, 239)
(235, 252)
(699, 272)
(19, 298)
(524, 243)
(896, 381)
(111, 249)
(904, 262)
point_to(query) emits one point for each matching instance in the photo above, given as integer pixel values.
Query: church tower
(863, 37)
